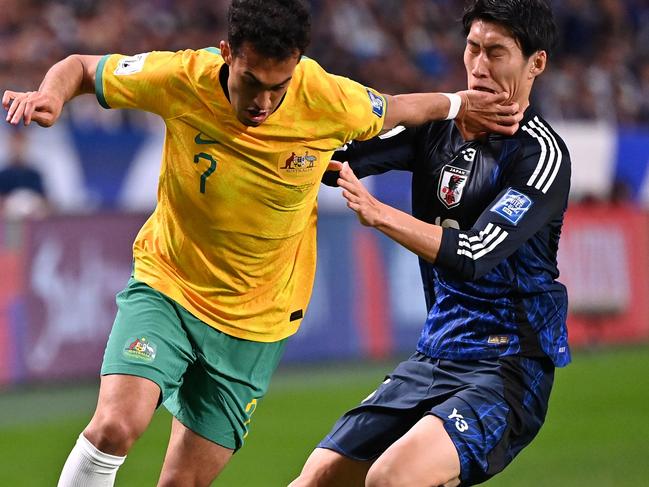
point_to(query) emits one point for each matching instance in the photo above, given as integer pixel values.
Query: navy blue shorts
(491, 409)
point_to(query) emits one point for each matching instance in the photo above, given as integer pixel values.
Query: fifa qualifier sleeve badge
(131, 65)
(378, 103)
(512, 206)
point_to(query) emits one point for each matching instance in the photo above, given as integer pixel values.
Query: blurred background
(72, 198)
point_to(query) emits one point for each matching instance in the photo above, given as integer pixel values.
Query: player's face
(494, 62)
(256, 83)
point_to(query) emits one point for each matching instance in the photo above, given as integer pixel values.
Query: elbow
(75, 59)
(87, 66)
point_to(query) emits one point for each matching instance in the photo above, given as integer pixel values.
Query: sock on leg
(88, 467)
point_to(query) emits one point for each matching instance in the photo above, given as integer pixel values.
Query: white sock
(88, 467)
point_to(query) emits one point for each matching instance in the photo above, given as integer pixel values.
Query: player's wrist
(455, 105)
(384, 217)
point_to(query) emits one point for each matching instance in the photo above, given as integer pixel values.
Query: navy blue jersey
(492, 290)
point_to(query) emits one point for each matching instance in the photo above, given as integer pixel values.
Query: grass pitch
(596, 433)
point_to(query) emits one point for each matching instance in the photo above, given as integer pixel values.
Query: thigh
(425, 455)
(223, 388)
(191, 459)
(327, 468)
(148, 339)
(124, 410)
(497, 411)
(365, 432)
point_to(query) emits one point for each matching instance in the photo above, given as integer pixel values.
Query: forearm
(417, 236)
(68, 78)
(475, 112)
(415, 109)
(65, 80)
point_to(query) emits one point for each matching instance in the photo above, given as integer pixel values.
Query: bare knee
(385, 475)
(182, 479)
(316, 475)
(112, 433)
(325, 468)
(119, 420)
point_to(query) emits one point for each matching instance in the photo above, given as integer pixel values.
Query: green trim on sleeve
(99, 82)
(213, 50)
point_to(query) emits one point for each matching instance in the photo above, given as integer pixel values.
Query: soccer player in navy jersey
(213, 298)
(487, 216)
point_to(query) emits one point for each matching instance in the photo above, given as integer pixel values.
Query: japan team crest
(451, 185)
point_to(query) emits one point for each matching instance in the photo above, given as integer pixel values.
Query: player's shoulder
(537, 135)
(207, 57)
(316, 87)
(309, 66)
(310, 76)
(541, 156)
(199, 66)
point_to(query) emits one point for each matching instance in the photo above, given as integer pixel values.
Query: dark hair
(531, 22)
(274, 28)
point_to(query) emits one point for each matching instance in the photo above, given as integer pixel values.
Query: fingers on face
(510, 109)
(500, 97)
(503, 129)
(508, 120)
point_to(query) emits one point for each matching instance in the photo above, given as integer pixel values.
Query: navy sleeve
(393, 150)
(535, 191)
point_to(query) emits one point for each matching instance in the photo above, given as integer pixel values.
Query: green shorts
(211, 382)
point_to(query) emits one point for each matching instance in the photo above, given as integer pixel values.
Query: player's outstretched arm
(476, 112)
(68, 78)
(417, 236)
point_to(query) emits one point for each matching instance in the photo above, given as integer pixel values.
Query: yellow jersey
(233, 235)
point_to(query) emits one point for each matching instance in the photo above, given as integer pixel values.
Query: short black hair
(274, 28)
(531, 22)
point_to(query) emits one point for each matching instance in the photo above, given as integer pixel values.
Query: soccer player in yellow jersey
(224, 266)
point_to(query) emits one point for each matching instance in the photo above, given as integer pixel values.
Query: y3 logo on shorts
(460, 423)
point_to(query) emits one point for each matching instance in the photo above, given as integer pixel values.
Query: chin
(247, 122)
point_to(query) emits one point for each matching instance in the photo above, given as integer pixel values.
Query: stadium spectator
(224, 268)
(22, 194)
(487, 216)
(416, 33)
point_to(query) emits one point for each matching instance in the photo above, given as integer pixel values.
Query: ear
(226, 52)
(538, 63)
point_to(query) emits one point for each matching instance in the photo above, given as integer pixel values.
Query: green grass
(596, 433)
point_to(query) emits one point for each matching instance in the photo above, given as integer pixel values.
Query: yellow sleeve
(152, 81)
(346, 109)
(363, 108)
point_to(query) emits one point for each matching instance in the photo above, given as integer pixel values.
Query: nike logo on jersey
(201, 141)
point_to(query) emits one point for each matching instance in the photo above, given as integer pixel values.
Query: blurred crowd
(600, 70)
